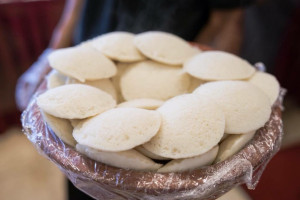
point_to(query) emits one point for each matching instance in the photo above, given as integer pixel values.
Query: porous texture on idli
(61, 127)
(164, 47)
(75, 101)
(118, 129)
(179, 165)
(245, 106)
(105, 85)
(82, 63)
(149, 154)
(232, 144)
(148, 79)
(267, 83)
(55, 79)
(130, 159)
(218, 65)
(149, 104)
(118, 46)
(190, 126)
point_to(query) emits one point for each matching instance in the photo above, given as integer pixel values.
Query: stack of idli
(152, 102)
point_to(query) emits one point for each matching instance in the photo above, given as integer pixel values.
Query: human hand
(31, 79)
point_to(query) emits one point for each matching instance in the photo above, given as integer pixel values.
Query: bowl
(106, 182)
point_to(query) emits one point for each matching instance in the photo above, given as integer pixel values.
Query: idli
(148, 79)
(232, 144)
(179, 165)
(55, 79)
(245, 106)
(130, 159)
(218, 65)
(118, 46)
(118, 129)
(61, 127)
(164, 47)
(82, 62)
(149, 154)
(105, 85)
(190, 126)
(267, 83)
(75, 101)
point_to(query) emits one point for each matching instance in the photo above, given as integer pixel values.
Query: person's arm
(61, 37)
(224, 30)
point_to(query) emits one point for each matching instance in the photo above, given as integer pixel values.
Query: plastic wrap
(105, 182)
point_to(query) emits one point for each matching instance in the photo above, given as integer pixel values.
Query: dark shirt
(184, 18)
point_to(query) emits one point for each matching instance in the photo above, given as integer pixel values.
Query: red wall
(25, 30)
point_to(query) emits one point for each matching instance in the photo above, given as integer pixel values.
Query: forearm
(224, 30)
(62, 35)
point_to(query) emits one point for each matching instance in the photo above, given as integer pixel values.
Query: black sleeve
(229, 4)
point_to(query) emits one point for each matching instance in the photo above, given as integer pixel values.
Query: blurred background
(259, 31)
